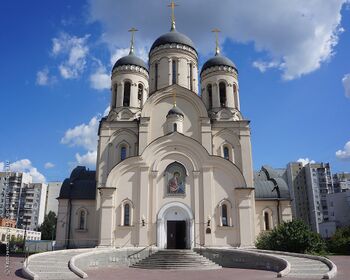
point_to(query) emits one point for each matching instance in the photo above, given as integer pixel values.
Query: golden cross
(172, 5)
(132, 30)
(217, 46)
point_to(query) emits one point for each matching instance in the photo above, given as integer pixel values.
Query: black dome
(175, 111)
(218, 60)
(130, 59)
(173, 37)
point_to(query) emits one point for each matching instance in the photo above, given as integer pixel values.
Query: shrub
(339, 243)
(293, 236)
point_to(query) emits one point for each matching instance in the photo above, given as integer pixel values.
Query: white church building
(174, 160)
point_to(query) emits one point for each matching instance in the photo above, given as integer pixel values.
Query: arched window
(122, 153)
(224, 218)
(175, 126)
(210, 96)
(222, 91)
(226, 153)
(127, 214)
(140, 93)
(174, 72)
(82, 219)
(267, 221)
(191, 76)
(127, 88)
(156, 76)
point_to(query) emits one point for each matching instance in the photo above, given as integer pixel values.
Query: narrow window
(122, 153)
(224, 215)
(156, 76)
(82, 220)
(210, 96)
(126, 215)
(222, 91)
(114, 96)
(127, 88)
(140, 93)
(174, 71)
(175, 126)
(226, 153)
(191, 76)
(267, 221)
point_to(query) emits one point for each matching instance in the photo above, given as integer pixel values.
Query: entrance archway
(175, 228)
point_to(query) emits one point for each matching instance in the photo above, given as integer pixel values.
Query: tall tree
(48, 227)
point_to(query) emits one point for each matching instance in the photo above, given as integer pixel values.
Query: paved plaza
(342, 262)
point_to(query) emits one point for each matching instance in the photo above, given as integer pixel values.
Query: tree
(339, 243)
(293, 236)
(48, 227)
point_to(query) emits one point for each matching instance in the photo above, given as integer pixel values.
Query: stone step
(176, 259)
(57, 275)
(311, 276)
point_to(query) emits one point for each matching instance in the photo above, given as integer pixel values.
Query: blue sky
(56, 56)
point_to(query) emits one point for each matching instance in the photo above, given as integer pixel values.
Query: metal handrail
(141, 250)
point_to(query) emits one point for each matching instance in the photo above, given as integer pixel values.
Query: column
(246, 213)
(107, 217)
(133, 96)
(207, 195)
(144, 200)
(198, 212)
(230, 96)
(120, 95)
(215, 95)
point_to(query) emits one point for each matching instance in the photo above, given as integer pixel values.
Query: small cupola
(219, 80)
(174, 119)
(129, 80)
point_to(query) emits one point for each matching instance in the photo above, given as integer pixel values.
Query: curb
(30, 274)
(77, 270)
(331, 265)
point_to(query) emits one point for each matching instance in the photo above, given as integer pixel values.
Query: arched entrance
(175, 226)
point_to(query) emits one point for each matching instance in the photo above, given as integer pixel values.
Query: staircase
(304, 268)
(176, 259)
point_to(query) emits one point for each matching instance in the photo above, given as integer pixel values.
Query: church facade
(174, 162)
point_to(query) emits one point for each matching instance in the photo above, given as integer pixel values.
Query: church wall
(271, 206)
(78, 238)
(89, 236)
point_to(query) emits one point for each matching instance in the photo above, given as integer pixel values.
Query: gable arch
(181, 93)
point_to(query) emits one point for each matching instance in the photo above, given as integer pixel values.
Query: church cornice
(176, 47)
(125, 69)
(214, 70)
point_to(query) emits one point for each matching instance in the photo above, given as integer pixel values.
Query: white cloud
(346, 84)
(305, 161)
(49, 165)
(25, 166)
(74, 51)
(298, 35)
(43, 78)
(345, 153)
(85, 136)
(88, 159)
(263, 65)
(100, 80)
